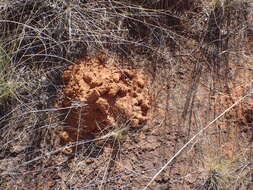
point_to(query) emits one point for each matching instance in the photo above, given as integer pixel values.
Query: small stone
(89, 161)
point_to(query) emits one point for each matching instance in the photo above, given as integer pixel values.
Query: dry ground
(200, 66)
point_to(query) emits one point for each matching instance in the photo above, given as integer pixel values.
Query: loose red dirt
(110, 95)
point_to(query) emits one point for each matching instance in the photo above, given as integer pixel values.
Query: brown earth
(242, 114)
(110, 94)
(130, 163)
(224, 149)
(238, 122)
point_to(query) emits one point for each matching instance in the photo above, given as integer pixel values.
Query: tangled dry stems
(41, 38)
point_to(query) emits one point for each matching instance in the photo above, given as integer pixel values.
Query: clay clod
(111, 94)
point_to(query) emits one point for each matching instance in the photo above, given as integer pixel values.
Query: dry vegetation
(199, 57)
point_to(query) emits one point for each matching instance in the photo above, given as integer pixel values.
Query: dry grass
(194, 54)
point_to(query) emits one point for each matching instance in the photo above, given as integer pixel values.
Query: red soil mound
(110, 94)
(241, 116)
